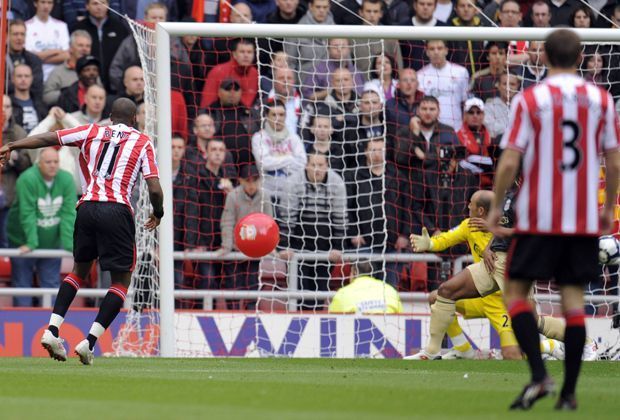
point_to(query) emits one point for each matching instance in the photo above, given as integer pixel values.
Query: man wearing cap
(245, 199)
(72, 97)
(366, 294)
(65, 74)
(477, 141)
(235, 121)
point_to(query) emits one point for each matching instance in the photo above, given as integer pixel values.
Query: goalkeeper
(491, 306)
(365, 294)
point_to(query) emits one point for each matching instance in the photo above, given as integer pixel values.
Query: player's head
(361, 268)
(563, 49)
(480, 203)
(123, 111)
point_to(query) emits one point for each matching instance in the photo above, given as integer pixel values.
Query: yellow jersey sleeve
(450, 238)
(336, 303)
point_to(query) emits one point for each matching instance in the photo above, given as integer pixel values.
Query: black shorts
(571, 260)
(106, 231)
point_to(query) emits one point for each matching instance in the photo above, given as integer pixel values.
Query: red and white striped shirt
(561, 126)
(110, 160)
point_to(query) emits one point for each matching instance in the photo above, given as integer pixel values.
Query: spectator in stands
(477, 141)
(346, 13)
(27, 109)
(323, 140)
(561, 11)
(133, 83)
(305, 52)
(540, 14)
(127, 54)
(18, 162)
(277, 152)
(47, 37)
(212, 186)
(285, 91)
(240, 67)
(88, 71)
(277, 60)
(414, 51)
(534, 70)
(365, 294)
(16, 54)
(41, 217)
(316, 84)
(243, 200)
(446, 81)
(236, 122)
(185, 206)
(342, 96)
(260, 9)
(593, 70)
(377, 209)
(94, 105)
(400, 109)
(497, 109)
(137, 9)
(107, 32)
(365, 50)
(384, 76)
(204, 129)
(582, 17)
(65, 75)
(396, 12)
(287, 12)
(483, 82)
(510, 16)
(444, 10)
(73, 11)
(313, 218)
(369, 122)
(466, 53)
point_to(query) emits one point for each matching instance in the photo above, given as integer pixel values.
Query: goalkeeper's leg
(460, 344)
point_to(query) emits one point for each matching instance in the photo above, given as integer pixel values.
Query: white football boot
(590, 350)
(82, 350)
(423, 355)
(455, 354)
(54, 346)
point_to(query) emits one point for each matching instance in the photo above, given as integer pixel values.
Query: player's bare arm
(32, 142)
(507, 170)
(612, 174)
(157, 200)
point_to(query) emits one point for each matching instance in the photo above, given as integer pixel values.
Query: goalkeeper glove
(421, 243)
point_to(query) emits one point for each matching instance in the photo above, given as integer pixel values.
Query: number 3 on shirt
(571, 133)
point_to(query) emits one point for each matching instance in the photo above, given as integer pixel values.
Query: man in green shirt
(41, 217)
(365, 294)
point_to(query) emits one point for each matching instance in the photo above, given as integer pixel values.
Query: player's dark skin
(123, 112)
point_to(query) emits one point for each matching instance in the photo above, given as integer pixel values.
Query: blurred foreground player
(558, 128)
(111, 158)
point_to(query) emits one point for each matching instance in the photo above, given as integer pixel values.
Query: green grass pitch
(287, 389)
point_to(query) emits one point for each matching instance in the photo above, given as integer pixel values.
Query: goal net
(324, 122)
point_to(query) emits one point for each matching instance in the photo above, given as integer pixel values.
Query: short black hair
(505, 2)
(123, 110)
(241, 41)
(429, 98)
(583, 9)
(563, 48)
(363, 268)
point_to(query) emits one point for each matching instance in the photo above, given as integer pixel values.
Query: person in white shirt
(446, 81)
(497, 109)
(443, 10)
(47, 37)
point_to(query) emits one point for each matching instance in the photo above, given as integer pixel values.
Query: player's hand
(401, 243)
(489, 258)
(493, 223)
(358, 241)
(5, 155)
(152, 223)
(335, 256)
(24, 249)
(421, 243)
(606, 220)
(477, 224)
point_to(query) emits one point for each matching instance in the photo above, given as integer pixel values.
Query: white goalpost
(160, 112)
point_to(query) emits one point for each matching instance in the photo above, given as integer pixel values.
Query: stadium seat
(414, 277)
(5, 280)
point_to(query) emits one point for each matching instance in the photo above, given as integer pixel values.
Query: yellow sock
(547, 346)
(459, 341)
(442, 314)
(551, 327)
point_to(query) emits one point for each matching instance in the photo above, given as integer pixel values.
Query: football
(608, 250)
(256, 235)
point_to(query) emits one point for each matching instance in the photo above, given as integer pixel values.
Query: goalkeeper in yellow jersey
(365, 294)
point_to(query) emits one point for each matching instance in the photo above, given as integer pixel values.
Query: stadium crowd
(336, 127)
